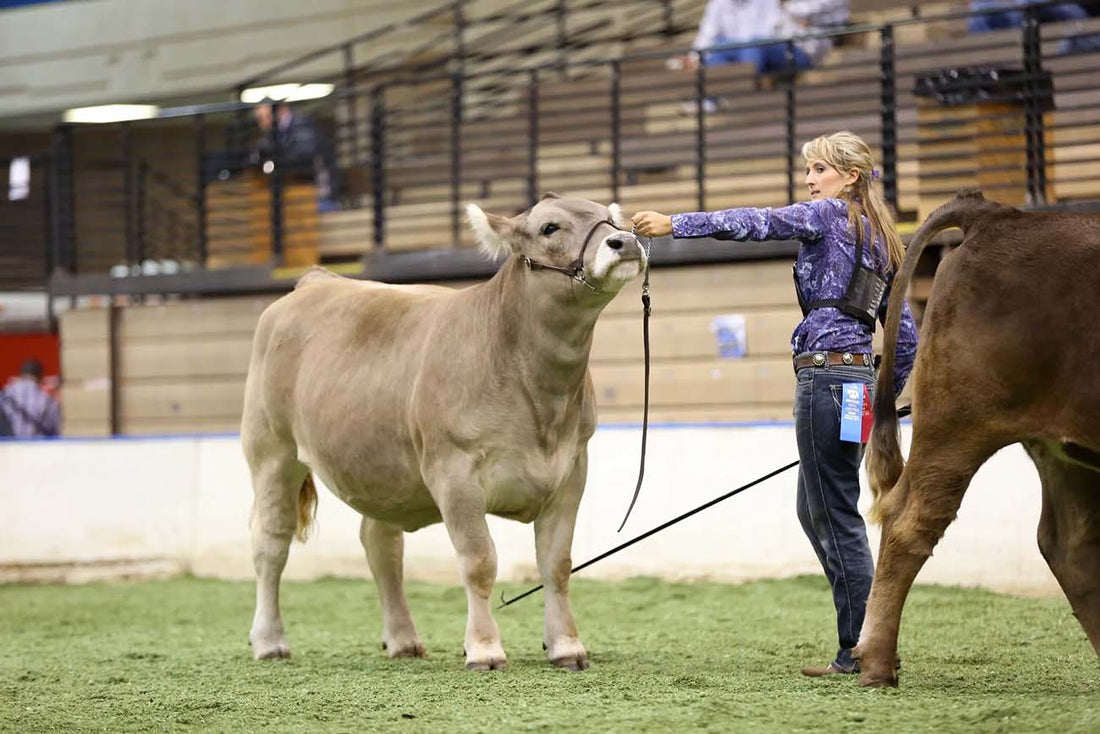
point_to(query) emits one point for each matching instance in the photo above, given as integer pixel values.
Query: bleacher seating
(183, 364)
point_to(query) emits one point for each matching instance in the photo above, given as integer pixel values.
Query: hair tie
(875, 174)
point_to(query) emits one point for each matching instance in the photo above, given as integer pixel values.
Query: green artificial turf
(172, 656)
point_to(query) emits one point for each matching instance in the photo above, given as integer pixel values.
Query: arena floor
(172, 656)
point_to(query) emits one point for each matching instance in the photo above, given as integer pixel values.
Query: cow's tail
(307, 508)
(884, 459)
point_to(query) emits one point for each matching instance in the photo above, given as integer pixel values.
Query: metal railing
(410, 151)
(506, 31)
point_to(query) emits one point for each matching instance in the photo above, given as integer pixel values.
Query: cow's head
(554, 232)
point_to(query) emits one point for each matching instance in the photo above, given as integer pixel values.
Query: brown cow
(420, 404)
(1009, 350)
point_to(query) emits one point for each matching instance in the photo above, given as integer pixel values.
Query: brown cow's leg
(385, 547)
(276, 480)
(1069, 533)
(916, 513)
(553, 546)
(464, 516)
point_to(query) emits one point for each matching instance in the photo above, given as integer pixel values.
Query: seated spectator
(743, 21)
(301, 150)
(29, 409)
(1010, 18)
(810, 16)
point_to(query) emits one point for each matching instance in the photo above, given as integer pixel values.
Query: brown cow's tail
(884, 459)
(307, 508)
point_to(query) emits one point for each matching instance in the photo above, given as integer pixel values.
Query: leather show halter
(575, 269)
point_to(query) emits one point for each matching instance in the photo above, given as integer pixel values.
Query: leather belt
(820, 359)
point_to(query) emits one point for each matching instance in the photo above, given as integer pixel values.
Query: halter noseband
(575, 269)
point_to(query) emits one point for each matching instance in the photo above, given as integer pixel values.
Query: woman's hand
(652, 224)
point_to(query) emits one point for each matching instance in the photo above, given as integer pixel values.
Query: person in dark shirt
(291, 141)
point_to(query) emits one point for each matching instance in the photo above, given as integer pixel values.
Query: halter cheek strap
(575, 269)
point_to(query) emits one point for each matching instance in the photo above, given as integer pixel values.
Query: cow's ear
(550, 195)
(492, 233)
(621, 220)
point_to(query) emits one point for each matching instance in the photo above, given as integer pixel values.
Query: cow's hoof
(491, 664)
(575, 663)
(275, 651)
(870, 679)
(414, 649)
(271, 645)
(568, 653)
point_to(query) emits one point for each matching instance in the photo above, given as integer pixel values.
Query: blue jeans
(1015, 18)
(1087, 43)
(767, 59)
(828, 492)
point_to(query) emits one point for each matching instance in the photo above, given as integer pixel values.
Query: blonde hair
(846, 151)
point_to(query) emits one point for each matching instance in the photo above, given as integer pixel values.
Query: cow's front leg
(553, 545)
(464, 515)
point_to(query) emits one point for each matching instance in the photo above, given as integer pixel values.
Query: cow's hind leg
(385, 547)
(916, 513)
(1069, 532)
(553, 545)
(464, 515)
(277, 479)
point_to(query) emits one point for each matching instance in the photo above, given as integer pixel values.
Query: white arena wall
(79, 509)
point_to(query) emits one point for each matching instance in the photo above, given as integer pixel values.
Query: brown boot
(830, 669)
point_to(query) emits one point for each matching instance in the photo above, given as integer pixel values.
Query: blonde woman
(850, 249)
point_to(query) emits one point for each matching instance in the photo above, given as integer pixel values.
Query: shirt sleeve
(709, 29)
(805, 221)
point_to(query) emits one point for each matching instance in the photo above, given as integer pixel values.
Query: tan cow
(1009, 351)
(420, 404)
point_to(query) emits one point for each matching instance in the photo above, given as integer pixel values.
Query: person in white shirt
(744, 21)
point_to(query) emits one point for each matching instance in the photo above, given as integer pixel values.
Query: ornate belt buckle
(847, 358)
(819, 359)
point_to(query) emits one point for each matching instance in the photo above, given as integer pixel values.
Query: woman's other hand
(652, 224)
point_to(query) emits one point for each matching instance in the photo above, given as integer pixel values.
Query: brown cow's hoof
(575, 663)
(872, 680)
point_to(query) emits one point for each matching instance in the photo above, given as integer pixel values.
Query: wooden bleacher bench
(239, 222)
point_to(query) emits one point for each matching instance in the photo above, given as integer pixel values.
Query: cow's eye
(549, 229)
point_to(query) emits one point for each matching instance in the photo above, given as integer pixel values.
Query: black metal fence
(1015, 112)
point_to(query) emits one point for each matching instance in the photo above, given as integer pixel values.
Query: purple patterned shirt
(826, 257)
